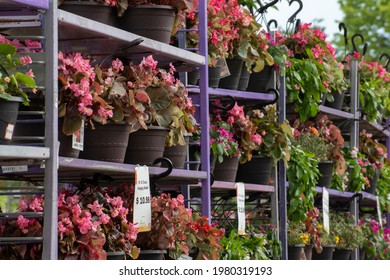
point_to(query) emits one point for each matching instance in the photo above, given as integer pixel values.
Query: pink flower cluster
(25, 46)
(80, 91)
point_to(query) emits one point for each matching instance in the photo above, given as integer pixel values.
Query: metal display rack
(67, 31)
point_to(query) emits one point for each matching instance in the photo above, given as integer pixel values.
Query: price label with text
(325, 209)
(142, 215)
(78, 138)
(378, 209)
(240, 187)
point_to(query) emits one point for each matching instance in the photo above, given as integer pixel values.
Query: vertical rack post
(274, 195)
(282, 175)
(204, 107)
(354, 133)
(50, 233)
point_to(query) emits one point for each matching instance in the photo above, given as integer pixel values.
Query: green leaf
(24, 79)
(159, 98)
(6, 49)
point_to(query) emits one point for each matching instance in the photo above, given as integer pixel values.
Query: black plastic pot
(342, 254)
(8, 115)
(326, 254)
(296, 252)
(326, 172)
(256, 171)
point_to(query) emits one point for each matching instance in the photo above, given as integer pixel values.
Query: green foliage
(315, 145)
(243, 247)
(383, 188)
(10, 79)
(347, 235)
(296, 233)
(302, 175)
(304, 86)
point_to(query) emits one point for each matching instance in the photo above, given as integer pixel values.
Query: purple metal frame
(40, 4)
(204, 107)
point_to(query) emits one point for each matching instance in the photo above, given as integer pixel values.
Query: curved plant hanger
(262, 11)
(290, 22)
(365, 46)
(385, 55)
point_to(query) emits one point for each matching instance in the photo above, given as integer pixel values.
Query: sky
(328, 10)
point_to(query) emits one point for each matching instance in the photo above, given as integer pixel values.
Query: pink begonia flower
(30, 73)
(22, 223)
(22, 205)
(96, 207)
(35, 205)
(257, 139)
(61, 227)
(85, 225)
(356, 55)
(104, 219)
(149, 62)
(117, 65)
(114, 213)
(297, 87)
(379, 150)
(180, 198)
(25, 60)
(174, 203)
(325, 84)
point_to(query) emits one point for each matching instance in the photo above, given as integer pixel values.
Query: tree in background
(369, 18)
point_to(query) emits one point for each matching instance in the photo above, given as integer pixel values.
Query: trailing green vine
(302, 175)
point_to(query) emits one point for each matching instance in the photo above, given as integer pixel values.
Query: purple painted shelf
(377, 130)
(235, 93)
(74, 169)
(333, 113)
(221, 185)
(40, 4)
(336, 193)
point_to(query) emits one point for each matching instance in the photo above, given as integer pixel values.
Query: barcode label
(13, 169)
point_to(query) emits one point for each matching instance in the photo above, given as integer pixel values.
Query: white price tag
(378, 208)
(240, 187)
(78, 138)
(142, 215)
(184, 257)
(9, 131)
(14, 169)
(325, 209)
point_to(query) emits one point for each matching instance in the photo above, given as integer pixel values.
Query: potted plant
(355, 178)
(373, 90)
(312, 71)
(80, 236)
(98, 10)
(328, 242)
(302, 176)
(166, 14)
(383, 188)
(250, 246)
(166, 108)
(297, 239)
(324, 139)
(272, 146)
(11, 91)
(109, 210)
(376, 154)
(208, 238)
(220, 32)
(241, 130)
(169, 219)
(348, 235)
(375, 243)
(248, 46)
